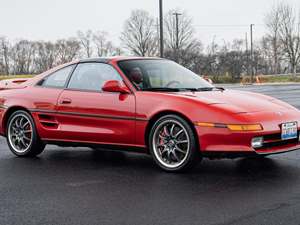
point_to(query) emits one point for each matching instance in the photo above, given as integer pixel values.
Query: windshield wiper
(162, 89)
(220, 88)
(166, 89)
(210, 89)
(205, 89)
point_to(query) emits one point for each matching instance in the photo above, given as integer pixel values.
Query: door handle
(66, 101)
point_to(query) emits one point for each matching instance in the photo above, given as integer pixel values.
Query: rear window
(57, 79)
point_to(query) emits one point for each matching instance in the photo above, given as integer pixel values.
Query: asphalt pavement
(83, 186)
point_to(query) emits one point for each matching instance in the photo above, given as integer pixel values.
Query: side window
(92, 76)
(57, 79)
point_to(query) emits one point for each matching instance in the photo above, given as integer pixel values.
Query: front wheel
(21, 134)
(173, 145)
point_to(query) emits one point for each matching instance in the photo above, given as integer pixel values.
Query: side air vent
(48, 121)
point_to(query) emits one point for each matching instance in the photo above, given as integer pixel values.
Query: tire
(173, 144)
(21, 135)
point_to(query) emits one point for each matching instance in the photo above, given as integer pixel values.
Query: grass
(262, 78)
(5, 77)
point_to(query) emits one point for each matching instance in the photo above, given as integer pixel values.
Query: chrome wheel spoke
(18, 122)
(25, 124)
(21, 121)
(161, 137)
(176, 156)
(169, 156)
(26, 138)
(178, 133)
(17, 143)
(182, 142)
(22, 142)
(180, 150)
(166, 132)
(172, 130)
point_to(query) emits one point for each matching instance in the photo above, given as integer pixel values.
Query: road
(81, 186)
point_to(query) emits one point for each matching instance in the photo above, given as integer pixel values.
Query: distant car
(149, 105)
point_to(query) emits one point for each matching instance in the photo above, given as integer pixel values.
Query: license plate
(289, 131)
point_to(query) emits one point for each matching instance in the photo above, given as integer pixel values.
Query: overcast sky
(54, 19)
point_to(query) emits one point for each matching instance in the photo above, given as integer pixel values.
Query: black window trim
(55, 87)
(85, 90)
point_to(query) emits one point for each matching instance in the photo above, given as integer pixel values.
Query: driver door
(87, 114)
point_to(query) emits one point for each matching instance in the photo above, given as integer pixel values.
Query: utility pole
(157, 32)
(177, 28)
(161, 22)
(176, 14)
(251, 53)
(247, 53)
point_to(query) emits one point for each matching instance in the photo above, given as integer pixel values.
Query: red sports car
(149, 105)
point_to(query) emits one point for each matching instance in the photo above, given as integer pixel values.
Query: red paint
(120, 115)
(115, 86)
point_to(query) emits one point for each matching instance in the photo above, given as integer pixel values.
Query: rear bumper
(221, 142)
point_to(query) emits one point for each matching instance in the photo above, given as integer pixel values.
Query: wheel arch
(160, 114)
(8, 113)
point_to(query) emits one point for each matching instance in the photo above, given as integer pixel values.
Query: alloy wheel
(20, 133)
(171, 143)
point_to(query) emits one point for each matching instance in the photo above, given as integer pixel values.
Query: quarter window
(92, 76)
(57, 79)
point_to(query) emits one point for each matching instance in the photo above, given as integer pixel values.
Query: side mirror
(115, 86)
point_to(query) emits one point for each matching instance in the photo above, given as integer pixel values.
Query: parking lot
(82, 186)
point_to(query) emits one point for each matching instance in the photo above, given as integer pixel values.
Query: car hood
(238, 101)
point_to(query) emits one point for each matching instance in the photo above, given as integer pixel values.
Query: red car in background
(149, 105)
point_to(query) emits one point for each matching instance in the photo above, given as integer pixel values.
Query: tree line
(278, 51)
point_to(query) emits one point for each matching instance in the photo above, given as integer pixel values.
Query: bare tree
(289, 31)
(211, 65)
(22, 57)
(4, 55)
(67, 50)
(272, 22)
(140, 35)
(103, 46)
(180, 36)
(86, 41)
(46, 54)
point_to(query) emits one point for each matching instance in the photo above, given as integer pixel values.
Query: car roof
(99, 60)
(114, 58)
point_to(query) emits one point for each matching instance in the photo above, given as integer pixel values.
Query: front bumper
(222, 141)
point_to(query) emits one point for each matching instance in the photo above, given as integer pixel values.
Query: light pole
(251, 53)
(161, 26)
(176, 14)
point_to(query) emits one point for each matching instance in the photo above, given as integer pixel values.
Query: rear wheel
(21, 134)
(173, 145)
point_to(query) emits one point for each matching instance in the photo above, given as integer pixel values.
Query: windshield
(156, 74)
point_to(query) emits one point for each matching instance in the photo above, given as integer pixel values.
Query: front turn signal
(232, 127)
(245, 127)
